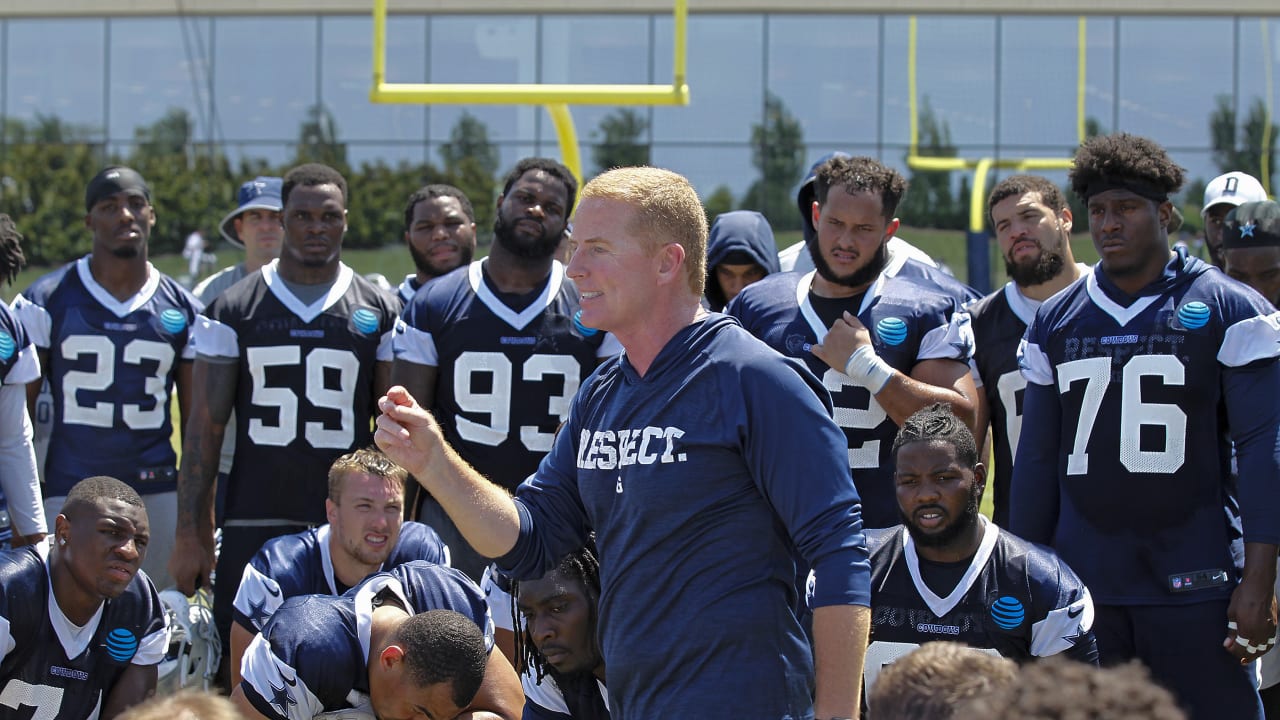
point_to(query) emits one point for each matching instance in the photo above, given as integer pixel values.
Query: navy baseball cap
(1252, 224)
(260, 193)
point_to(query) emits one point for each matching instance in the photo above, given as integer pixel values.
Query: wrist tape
(867, 369)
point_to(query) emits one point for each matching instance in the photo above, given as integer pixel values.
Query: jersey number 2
(102, 377)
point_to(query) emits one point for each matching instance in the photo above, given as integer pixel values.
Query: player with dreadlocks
(19, 481)
(557, 651)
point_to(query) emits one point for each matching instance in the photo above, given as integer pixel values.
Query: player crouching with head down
(81, 626)
(412, 642)
(954, 574)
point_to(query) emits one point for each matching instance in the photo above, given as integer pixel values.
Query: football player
(1033, 229)
(947, 573)
(1221, 195)
(19, 366)
(557, 649)
(496, 349)
(113, 337)
(1251, 254)
(81, 626)
(740, 251)
(365, 534)
(440, 230)
(416, 641)
(254, 226)
(883, 343)
(1135, 375)
(300, 350)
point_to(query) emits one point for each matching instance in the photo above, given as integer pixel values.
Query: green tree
(930, 201)
(470, 164)
(189, 191)
(1239, 146)
(777, 152)
(318, 140)
(720, 201)
(44, 166)
(619, 140)
(375, 213)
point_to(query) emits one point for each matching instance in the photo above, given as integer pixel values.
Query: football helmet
(194, 647)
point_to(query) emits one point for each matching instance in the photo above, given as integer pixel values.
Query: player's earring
(62, 541)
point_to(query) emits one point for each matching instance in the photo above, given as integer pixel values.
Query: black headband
(1138, 187)
(111, 181)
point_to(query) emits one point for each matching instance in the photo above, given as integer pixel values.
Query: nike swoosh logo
(274, 592)
(1076, 612)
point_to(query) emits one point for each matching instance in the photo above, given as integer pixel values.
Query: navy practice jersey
(999, 321)
(52, 669)
(313, 655)
(19, 363)
(1014, 598)
(111, 370)
(587, 698)
(1123, 463)
(304, 393)
(689, 476)
(908, 323)
(407, 289)
(505, 377)
(300, 564)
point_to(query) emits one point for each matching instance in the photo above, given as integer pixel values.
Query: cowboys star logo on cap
(1246, 230)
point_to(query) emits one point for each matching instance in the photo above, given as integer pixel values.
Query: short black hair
(91, 490)
(435, 190)
(11, 257)
(1124, 157)
(582, 566)
(312, 175)
(860, 174)
(444, 646)
(550, 167)
(938, 423)
(1019, 185)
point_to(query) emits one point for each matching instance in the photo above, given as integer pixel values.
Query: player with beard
(947, 573)
(495, 349)
(440, 230)
(113, 336)
(365, 534)
(1033, 229)
(881, 339)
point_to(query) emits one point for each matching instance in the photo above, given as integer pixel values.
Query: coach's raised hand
(483, 511)
(407, 433)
